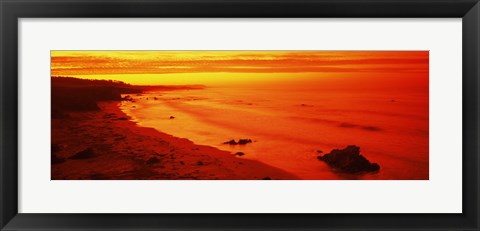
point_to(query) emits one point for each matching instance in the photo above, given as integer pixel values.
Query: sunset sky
(208, 67)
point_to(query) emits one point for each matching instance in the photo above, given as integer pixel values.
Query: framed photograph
(229, 115)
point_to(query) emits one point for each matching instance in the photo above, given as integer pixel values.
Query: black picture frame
(12, 10)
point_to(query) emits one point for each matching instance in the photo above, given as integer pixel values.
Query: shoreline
(119, 149)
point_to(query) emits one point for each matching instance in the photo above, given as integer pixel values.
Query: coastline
(119, 149)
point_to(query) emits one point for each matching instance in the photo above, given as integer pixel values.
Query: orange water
(289, 124)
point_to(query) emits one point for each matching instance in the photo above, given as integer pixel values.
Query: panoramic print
(239, 115)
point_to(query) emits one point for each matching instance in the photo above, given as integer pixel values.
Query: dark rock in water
(266, 178)
(231, 142)
(240, 154)
(155, 98)
(153, 160)
(319, 151)
(172, 117)
(349, 160)
(306, 105)
(240, 141)
(122, 118)
(127, 98)
(85, 154)
(244, 141)
(200, 163)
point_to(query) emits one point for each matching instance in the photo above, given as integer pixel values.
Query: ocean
(289, 125)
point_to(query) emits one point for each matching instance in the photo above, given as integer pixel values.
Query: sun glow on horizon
(225, 67)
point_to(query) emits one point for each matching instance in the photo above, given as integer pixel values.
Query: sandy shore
(119, 149)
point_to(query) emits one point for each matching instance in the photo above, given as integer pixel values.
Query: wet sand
(121, 150)
(288, 126)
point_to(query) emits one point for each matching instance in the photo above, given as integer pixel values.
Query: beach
(119, 149)
(249, 115)
(290, 127)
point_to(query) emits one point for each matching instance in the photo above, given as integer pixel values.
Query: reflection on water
(288, 126)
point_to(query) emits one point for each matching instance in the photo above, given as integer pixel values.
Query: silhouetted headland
(72, 94)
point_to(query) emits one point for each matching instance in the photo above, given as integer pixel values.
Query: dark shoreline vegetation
(74, 94)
